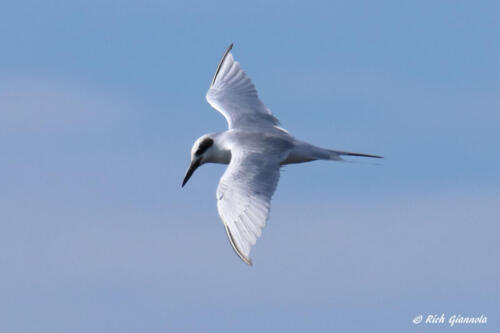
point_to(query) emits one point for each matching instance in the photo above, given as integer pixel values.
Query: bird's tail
(335, 155)
(305, 152)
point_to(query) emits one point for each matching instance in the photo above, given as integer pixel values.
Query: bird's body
(254, 147)
(279, 143)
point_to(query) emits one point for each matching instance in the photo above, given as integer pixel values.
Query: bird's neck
(219, 154)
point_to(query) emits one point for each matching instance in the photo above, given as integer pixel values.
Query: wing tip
(247, 261)
(243, 257)
(230, 47)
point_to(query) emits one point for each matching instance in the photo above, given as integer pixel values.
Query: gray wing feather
(244, 199)
(233, 94)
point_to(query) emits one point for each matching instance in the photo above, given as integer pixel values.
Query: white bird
(254, 147)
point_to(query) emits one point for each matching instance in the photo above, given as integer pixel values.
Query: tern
(255, 147)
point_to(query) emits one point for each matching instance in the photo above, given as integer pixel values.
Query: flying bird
(254, 147)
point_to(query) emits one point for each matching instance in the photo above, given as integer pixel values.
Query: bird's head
(199, 155)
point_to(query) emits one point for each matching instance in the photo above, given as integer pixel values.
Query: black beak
(194, 165)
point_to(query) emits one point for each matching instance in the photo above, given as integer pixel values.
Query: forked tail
(336, 154)
(305, 152)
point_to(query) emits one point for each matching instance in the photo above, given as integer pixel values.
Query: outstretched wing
(244, 198)
(234, 95)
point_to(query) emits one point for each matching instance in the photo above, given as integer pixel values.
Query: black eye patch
(204, 145)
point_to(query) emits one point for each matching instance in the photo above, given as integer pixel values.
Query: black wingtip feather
(221, 62)
(235, 247)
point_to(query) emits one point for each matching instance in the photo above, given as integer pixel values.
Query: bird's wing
(244, 197)
(234, 95)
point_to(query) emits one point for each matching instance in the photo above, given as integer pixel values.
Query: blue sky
(100, 103)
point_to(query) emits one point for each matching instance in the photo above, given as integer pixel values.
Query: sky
(100, 102)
